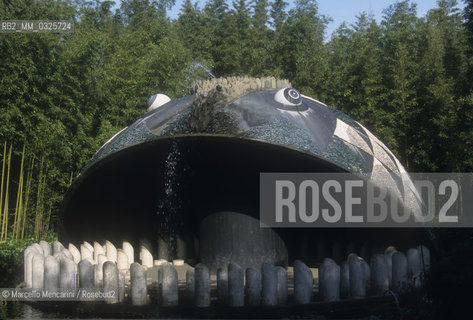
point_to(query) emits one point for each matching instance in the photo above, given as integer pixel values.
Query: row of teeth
(105, 267)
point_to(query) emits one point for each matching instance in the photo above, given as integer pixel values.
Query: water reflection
(21, 310)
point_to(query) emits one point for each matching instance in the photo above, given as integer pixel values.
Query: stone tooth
(190, 287)
(75, 253)
(282, 290)
(86, 274)
(357, 277)
(379, 275)
(169, 286)
(110, 280)
(399, 271)
(222, 286)
(138, 291)
(202, 286)
(414, 266)
(329, 275)
(236, 287)
(51, 273)
(38, 271)
(303, 283)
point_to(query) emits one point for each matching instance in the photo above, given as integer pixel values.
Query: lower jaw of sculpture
(196, 199)
(159, 287)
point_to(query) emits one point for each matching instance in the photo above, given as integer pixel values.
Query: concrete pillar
(357, 277)
(379, 275)
(98, 275)
(85, 253)
(38, 271)
(128, 249)
(169, 286)
(98, 250)
(388, 256)
(269, 288)
(122, 260)
(75, 253)
(222, 286)
(236, 286)
(253, 287)
(399, 271)
(329, 278)
(146, 257)
(303, 282)
(68, 254)
(138, 286)
(190, 287)
(281, 275)
(163, 250)
(29, 267)
(182, 244)
(86, 274)
(202, 286)
(51, 273)
(110, 280)
(121, 286)
(67, 273)
(57, 247)
(110, 251)
(46, 248)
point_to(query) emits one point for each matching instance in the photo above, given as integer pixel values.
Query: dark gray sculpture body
(192, 158)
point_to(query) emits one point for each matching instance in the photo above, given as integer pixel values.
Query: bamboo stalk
(29, 178)
(39, 201)
(1, 188)
(44, 213)
(19, 200)
(4, 234)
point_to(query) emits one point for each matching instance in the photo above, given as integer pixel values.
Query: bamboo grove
(407, 78)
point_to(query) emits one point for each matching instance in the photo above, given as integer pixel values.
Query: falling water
(170, 207)
(194, 72)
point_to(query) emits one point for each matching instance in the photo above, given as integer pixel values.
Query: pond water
(20, 310)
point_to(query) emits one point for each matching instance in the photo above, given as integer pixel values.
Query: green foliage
(11, 260)
(300, 52)
(278, 14)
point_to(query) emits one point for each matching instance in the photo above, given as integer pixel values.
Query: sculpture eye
(157, 100)
(288, 97)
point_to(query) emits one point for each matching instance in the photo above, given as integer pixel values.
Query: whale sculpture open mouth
(186, 177)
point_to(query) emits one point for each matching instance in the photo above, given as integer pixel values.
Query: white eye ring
(288, 97)
(157, 100)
